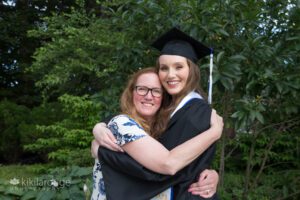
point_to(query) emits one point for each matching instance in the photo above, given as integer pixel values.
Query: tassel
(210, 76)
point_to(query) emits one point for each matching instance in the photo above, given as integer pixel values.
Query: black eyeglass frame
(148, 89)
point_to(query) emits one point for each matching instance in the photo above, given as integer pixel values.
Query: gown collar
(187, 98)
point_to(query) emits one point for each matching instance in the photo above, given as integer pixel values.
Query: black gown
(124, 178)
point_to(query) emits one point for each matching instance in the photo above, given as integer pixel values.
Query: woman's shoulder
(197, 108)
(198, 103)
(120, 118)
(125, 129)
(124, 120)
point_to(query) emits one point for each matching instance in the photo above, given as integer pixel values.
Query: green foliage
(249, 111)
(281, 185)
(84, 51)
(18, 127)
(66, 141)
(86, 56)
(11, 116)
(68, 183)
(280, 156)
(58, 183)
(256, 79)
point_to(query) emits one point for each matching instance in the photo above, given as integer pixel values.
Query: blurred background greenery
(64, 64)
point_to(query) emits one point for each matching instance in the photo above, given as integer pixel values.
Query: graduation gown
(124, 178)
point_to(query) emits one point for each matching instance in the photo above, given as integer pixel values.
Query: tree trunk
(222, 162)
(226, 112)
(249, 165)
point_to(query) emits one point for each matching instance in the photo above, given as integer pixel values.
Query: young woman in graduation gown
(190, 115)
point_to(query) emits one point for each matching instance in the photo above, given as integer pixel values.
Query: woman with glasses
(142, 118)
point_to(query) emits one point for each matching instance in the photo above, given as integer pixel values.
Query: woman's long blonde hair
(159, 123)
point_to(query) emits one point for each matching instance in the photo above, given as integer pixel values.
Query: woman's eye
(163, 68)
(179, 67)
(157, 91)
(143, 89)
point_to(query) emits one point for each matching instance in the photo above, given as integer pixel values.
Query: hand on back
(105, 138)
(216, 122)
(207, 184)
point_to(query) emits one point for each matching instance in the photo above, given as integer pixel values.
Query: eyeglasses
(143, 91)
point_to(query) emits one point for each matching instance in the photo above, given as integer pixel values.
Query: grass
(8, 172)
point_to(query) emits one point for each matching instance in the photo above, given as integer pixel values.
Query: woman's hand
(207, 184)
(94, 148)
(216, 123)
(105, 138)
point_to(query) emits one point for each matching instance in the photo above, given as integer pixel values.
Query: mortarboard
(176, 42)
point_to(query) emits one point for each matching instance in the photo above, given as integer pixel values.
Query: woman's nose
(171, 73)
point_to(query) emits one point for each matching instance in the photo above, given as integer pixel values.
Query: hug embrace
(162, 143)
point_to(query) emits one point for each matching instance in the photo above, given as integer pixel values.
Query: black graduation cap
(176, 42)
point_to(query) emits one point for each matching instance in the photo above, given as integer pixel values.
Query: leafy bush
(280, 185)
(59, 183)
(68, 141)
(11, 117)
(19, 128)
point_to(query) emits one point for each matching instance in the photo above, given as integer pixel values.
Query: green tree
(17, 89)
(16, 48)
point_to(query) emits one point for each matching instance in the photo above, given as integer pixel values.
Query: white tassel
(210, 77)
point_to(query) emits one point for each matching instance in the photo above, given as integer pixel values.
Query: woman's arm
(106, 138)
(154, 156)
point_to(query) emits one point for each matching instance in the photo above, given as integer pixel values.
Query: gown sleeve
(126, 164)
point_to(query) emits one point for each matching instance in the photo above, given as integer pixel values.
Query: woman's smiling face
(147, 105)
(173, 73)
